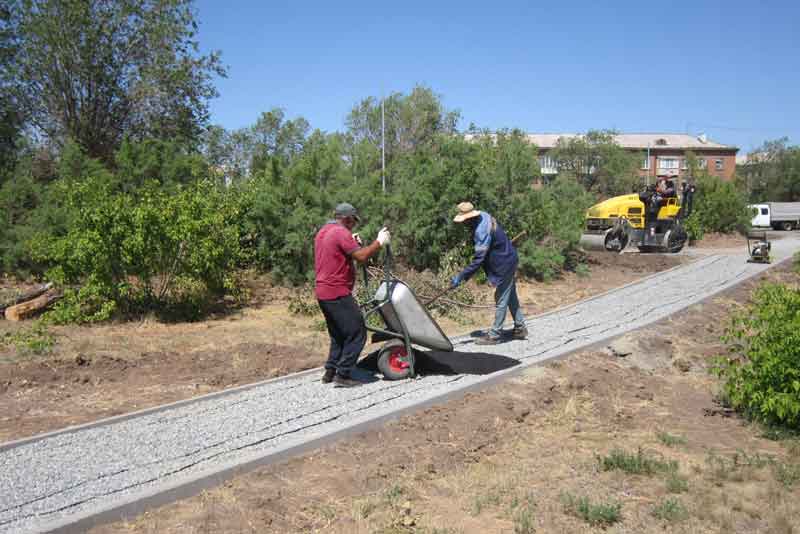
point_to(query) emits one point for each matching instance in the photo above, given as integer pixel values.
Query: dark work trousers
(348, 333)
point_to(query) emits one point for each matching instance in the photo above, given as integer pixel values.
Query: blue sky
(729, 69)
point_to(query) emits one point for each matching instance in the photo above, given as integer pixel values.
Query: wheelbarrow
(407, 324)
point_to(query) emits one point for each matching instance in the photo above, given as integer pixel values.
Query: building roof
(640, 141)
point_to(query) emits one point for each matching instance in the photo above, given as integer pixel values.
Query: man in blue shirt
(493, 250)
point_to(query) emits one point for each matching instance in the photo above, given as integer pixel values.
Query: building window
(702, 163)
(547, 165)
(646, 163)
(685, 164)
(718, 164)
(668, 163)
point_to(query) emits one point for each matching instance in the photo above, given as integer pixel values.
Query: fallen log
(24, 310)
(26, 296)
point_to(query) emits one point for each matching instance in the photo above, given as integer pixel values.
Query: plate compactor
(758, 247)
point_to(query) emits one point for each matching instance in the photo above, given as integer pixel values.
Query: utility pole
(383, 144)
(648, 163)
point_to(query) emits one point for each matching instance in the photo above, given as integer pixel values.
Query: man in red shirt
(335, 249)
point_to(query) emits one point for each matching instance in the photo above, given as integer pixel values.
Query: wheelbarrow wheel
(391, 361)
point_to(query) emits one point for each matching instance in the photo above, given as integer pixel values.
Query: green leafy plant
(761, 378)
(33, 340)
(302, 302)
(670, 440)
(524, 519)
(635, 463)
(718, 207)
(151, 249)
(600, 514)
(677, 483)
(671, 510)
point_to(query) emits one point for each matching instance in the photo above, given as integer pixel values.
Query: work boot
(520, 332)
(488, 340)
(345, 382)
(327, 378)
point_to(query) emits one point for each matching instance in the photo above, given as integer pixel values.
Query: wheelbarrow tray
(403, 313)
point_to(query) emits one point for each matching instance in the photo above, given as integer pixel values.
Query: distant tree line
(773, 172)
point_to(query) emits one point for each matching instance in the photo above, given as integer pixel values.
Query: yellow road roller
(650, 220)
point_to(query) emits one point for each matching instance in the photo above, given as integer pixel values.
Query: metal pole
(648, 164)
(383, 144)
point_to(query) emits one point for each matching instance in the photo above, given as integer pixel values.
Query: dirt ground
(626, 438)
(101, 371)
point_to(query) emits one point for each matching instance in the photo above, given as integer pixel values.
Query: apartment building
(663, 154)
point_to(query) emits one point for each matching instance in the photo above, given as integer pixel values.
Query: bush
(718, 207)
(143, 250)
(762, 380)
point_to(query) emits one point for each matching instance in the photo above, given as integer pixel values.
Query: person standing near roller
(335, 250)
(496, 253)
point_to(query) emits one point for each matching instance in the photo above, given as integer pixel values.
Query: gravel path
(59, 479)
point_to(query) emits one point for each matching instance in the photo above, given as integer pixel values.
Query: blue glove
(455, 281)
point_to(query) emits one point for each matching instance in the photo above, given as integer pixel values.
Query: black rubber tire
(620, 242)
(675, 240)
(787, 226)
(384, 364)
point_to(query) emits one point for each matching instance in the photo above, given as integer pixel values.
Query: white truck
(777, 215)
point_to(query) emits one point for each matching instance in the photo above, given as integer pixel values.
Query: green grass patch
(635, 463)
(33, 340)
(670, 440)
(394, 492)
(600, 514)
(787, 474)
(524, 519)
(736, 468)
(677, 483)
(490, 498)
(671, 510)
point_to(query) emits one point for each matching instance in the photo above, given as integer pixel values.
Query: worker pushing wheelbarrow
(406, 320)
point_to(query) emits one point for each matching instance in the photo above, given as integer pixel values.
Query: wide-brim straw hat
(466, 211)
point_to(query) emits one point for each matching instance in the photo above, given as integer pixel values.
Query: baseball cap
(346, 210)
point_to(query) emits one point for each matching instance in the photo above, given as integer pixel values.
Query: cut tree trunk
(24, 310)
(25, 297)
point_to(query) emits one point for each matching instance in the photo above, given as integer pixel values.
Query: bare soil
(101, 371)
(510, 458)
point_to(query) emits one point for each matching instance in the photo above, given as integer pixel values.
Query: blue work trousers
(505, 297)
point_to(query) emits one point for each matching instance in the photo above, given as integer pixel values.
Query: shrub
(143, 250)
(718, 207)
(762, 380)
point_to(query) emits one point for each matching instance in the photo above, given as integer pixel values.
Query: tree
(98, 70)
(598, 162)
(411, 121)
(11, 120)
(773, 173)
(277, 141)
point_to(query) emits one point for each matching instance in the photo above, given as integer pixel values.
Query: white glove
(383, 236)
(358, 239)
